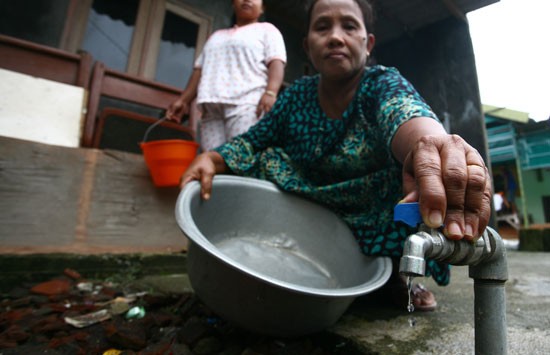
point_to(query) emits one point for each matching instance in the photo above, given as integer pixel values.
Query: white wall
(40, 110)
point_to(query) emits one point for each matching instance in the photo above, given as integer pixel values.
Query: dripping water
(410, 305)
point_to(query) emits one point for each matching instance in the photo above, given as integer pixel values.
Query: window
(109, 31)
(177, 48)
(155, 39)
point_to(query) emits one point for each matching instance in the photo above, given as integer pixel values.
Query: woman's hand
(203, 168)
(452, 184)
(177, 110)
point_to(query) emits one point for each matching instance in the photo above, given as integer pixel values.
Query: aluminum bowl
(270, 261)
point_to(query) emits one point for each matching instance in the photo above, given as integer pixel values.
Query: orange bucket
(168, 159)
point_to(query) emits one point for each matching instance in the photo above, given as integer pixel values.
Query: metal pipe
(487, 266)
(490, 317)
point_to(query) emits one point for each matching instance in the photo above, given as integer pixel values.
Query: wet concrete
(375, 326)
(450, 329)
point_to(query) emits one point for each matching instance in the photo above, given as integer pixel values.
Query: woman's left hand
(452, 184)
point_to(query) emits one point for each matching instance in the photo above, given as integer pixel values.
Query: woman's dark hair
(365, 6)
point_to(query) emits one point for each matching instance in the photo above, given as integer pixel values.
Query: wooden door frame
(146, 37)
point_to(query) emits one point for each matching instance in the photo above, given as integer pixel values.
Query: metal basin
(272, 262)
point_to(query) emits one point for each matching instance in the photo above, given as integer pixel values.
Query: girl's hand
(177, 110)
(266, 103)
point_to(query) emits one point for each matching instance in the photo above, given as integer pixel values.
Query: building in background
(519, 149)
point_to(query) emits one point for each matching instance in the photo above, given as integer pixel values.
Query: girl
(236, 78)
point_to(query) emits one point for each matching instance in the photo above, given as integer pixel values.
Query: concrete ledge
(17, 269)
(82, 201)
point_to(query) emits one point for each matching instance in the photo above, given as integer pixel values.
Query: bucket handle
(159, 121)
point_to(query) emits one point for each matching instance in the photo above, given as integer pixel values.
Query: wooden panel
(126, 208)
(133, 89)
(44, 62)
(128, 88)
(124, 130)
(39, 192)
(56, 199)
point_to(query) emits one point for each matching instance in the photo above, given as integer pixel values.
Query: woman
(236, 78)
(360, 139)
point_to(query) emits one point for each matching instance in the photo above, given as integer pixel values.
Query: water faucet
(432, 244)
(488, 267)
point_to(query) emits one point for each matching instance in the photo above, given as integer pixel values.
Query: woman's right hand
(203, 168)
(177, 110)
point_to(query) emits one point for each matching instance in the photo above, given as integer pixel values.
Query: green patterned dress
(345, 164)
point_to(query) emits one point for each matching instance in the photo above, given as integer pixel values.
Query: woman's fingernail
(435, 218)
(453, 230)
(206, 196)
(469, 231)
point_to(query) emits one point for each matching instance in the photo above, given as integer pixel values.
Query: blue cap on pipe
(408, 213)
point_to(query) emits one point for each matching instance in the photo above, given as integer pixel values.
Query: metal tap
(488, 267)
(432, 244)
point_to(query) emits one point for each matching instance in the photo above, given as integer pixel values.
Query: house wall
(220, 10)
(296, 56)
(439, 62)
(36, 21)
(536, 185)
(51, 17)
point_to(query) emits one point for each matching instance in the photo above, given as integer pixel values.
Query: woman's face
(247, 11)
(337, 43)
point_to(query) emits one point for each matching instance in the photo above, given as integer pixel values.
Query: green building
(521, 146)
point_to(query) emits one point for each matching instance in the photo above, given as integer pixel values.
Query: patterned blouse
(345, 164)
(235, 62)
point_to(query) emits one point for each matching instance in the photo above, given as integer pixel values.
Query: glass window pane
(109, 31)
(177, 50)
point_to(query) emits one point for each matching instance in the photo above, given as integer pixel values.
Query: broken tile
(52, 287)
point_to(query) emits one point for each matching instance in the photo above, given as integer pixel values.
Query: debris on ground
(71, 315)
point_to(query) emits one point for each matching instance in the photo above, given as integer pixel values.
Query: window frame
(145, 45)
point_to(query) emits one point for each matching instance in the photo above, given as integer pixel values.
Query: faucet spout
(430, 243)
(487, 266)
(413, 262)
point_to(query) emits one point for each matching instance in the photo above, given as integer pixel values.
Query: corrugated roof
(506, 113)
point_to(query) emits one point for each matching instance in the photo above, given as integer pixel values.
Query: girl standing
(236, 78)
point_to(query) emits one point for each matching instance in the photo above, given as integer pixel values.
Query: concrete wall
(40, 110)
(439, 61)
(538, 181)
(78, 200)
(296, 56)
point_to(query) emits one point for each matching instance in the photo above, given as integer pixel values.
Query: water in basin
(279, 257)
